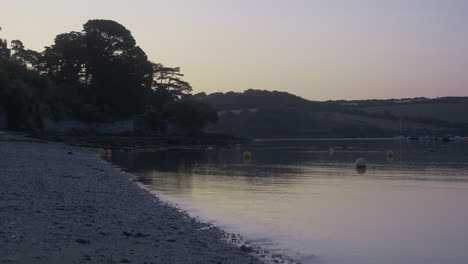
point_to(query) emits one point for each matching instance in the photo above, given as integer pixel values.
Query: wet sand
(63, 204)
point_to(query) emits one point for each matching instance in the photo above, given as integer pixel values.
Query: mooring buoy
(247, 155)
(390, 155)
(361, 163)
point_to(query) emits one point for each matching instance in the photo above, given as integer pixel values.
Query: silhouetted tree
(65, 60)
(104, 57)
(169, 79)
(4, 51)
(98, 74)
(24, 95)
(27, 57)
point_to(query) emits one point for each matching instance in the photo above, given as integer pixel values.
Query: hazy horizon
(319, 50)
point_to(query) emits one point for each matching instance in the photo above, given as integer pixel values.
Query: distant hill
(265, 114)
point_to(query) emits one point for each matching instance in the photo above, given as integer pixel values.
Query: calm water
(297, 197)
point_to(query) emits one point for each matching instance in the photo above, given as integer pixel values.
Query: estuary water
(305, 198)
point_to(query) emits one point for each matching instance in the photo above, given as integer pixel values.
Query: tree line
(98, 74)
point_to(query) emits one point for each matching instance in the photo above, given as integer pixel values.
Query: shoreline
(143, 143)
(62, 204)
(231, 237)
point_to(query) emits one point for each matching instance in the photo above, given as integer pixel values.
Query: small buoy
(238, 146)
(109, 152)
(101, 151)
(247, 155)
(390, 155)
(331, 149)
(210, 148)
(361, 163)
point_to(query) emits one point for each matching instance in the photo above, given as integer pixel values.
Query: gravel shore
(62, 204)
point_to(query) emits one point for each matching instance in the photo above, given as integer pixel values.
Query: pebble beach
(63, 204)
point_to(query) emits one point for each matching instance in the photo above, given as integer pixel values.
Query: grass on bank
(4, 137)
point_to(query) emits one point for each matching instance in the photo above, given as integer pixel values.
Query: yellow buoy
(101, 151)
(390, 155)
(247, 155)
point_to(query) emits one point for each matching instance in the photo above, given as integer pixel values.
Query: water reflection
(361, 170)
(298, 196)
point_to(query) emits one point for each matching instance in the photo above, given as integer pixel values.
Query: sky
(317, 49)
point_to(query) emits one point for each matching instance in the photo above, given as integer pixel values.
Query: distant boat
(401, 138)
(458, 138)
(447, 139)
(429, 138)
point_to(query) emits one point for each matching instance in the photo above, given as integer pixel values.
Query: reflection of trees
(167, 181)
(175, 169)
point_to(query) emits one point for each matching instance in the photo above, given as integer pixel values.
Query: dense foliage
(21, 92)
(98, 74)
(190, 115)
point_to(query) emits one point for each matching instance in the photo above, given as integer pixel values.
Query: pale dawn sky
(317, 49)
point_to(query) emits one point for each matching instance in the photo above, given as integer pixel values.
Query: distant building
(237, 111)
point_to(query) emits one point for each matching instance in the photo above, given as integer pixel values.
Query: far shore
(141, 142)
(63, 204)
